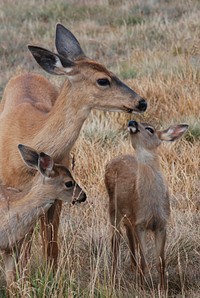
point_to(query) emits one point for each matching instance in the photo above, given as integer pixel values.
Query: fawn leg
(115, 250)
(140, 237)
(115, 241)
(9, 262)
(49, 229)
(160, 239)
(130, 235)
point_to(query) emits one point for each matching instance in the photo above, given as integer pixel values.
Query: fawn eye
(150, 130)
(103, 82)
(69, 184)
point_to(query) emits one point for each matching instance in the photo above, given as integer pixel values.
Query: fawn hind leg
(115, 242)
(130, 235)
(9, 263)
(10, 259)
(160, 239)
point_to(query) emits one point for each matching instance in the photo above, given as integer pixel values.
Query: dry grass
(155, 46)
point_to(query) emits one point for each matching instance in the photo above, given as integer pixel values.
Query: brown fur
(138, 195)
(20, 210)
(35, 113)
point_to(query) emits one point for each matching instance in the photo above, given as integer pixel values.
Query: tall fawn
(35, 113)
(19, 211)
(138, 194)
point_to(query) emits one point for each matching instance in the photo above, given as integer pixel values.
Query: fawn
(138, 194)
(20, 211)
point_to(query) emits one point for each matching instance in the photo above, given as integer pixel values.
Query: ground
(154, 46)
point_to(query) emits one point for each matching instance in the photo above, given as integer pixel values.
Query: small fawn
(19, 211)
(138, 194)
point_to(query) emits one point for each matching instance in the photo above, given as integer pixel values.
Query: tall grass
(155, 47)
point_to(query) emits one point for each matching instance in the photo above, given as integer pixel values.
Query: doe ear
(29, 156)
(51, 62)
(173, 133)
(45, 164)
(66, 43)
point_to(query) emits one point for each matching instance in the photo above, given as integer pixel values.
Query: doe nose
(142, 106)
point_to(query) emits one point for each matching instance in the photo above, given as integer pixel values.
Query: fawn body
(138, 194)
(19, 211)
(35, 113)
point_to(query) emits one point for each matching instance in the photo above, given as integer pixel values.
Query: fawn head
(95, 86)
(56, 178)
(144, 135)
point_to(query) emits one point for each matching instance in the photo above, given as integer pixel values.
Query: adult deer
(35, 113)
(19, 211)
(138, 194)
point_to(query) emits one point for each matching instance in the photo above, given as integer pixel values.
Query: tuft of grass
(129, 73)
(193, 133)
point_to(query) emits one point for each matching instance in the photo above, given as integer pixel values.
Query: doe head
(100, 88)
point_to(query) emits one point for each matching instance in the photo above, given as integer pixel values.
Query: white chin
(131, 129)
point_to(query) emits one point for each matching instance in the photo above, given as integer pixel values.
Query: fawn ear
(45, 164)
(173, 133)
(29, 156)
(51, 62)
(66, 44)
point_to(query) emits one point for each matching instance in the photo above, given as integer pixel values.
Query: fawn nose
(142, 106)
(132, 123)
(83, 198)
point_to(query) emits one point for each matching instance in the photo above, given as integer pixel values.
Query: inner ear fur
(173, 133)
(45, 164)
(66, 44)
(52, 63)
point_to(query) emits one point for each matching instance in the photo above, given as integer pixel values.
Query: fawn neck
(153, 203)
(20, 210)
(63, 124)
(34, 194)
(148, 158)
(150, 183)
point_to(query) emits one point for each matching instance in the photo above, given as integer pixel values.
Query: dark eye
(69, 184)
(103, 82)
(150, 130)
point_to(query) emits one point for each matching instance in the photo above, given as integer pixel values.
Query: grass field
(154, 46)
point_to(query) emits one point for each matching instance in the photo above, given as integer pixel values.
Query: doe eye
(150, 130)
(69, 184)
(103, 82)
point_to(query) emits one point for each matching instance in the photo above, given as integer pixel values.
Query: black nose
(83, 198)
(142, 106)
(132, 123)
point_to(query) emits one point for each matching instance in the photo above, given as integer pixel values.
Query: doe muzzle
(142, 105)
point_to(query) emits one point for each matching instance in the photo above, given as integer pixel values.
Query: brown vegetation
(155, 47)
